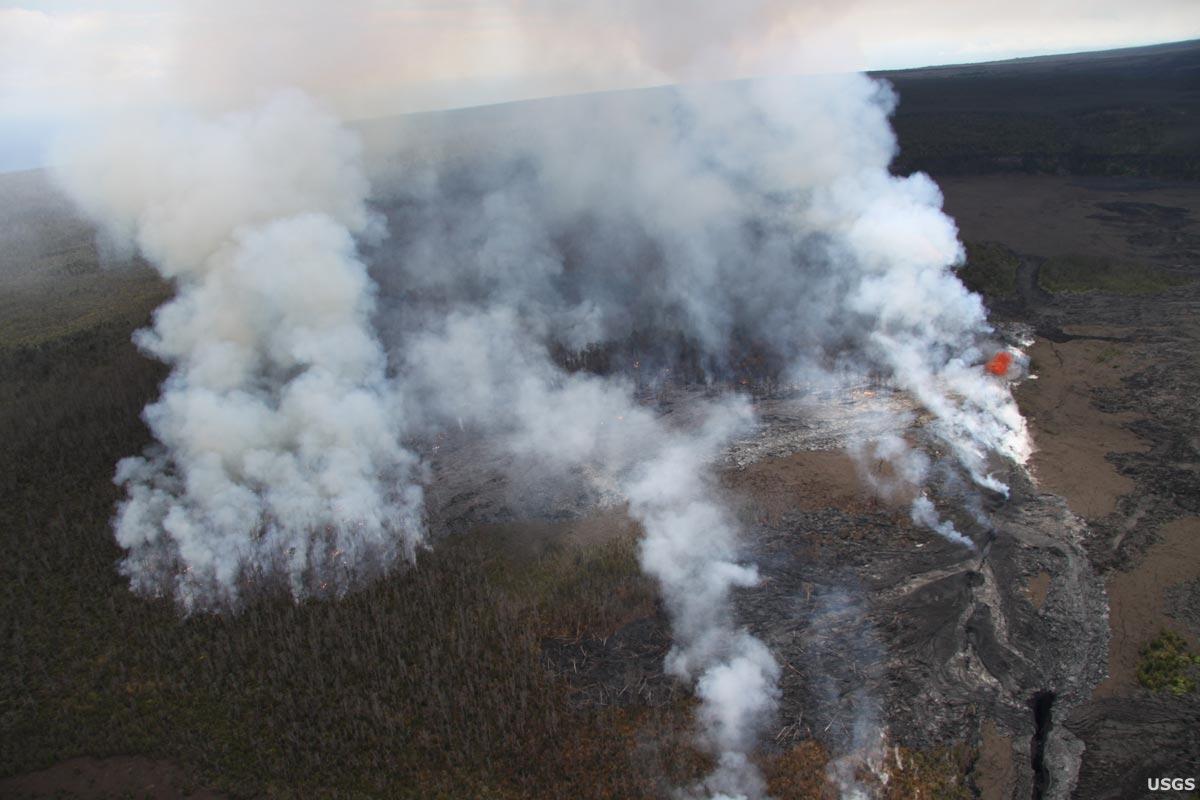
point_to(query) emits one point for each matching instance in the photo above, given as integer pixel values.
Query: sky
(66, 62)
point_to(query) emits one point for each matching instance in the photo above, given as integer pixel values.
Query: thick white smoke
(689, 229)
(278, 448)
(758, 215)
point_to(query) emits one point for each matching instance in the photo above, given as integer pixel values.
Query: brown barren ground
(994, 772)
(1038, 588)
(1137, 610)
(807, 481)
(1072, 437)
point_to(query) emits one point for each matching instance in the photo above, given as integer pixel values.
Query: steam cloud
(715, 221)
(759, 213)
(278, 436)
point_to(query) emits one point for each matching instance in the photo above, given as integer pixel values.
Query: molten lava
(1000, 363)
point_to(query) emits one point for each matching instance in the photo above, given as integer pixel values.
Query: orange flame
(1000, 363)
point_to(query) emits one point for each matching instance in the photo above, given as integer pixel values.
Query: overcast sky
(62, 61)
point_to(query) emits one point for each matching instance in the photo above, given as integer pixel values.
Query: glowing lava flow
(1000, 363)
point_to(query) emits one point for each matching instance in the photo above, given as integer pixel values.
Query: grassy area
(1073, 273)
(990, 269)
(428, 684)
(57, 301)
(1168, 665)
(431, 683)
(34, 318)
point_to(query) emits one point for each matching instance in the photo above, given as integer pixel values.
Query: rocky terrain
(890, 634)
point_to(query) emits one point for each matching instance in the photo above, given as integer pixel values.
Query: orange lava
(1000, 363)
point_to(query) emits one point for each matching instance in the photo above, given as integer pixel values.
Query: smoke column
(277, 434)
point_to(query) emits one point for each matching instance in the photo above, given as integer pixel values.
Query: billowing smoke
(696, 230)
(753, 219)
(528, 283)
(278, 447)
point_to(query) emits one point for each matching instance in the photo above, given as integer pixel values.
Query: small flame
(1000, 363)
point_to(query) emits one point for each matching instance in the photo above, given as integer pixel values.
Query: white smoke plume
(759, 212)
(278, 449)
(690, 230)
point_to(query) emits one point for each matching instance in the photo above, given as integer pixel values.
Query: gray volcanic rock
(885, 631)
(1130, 739)
(884, 628)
